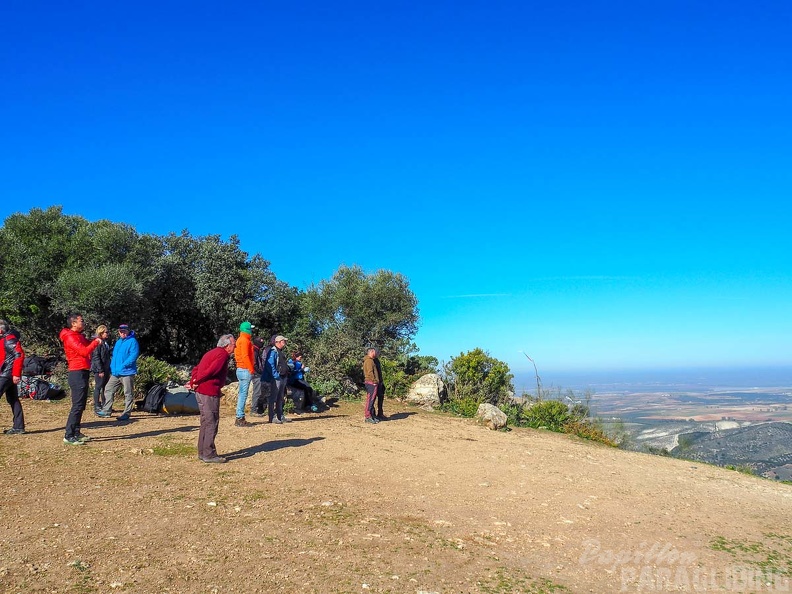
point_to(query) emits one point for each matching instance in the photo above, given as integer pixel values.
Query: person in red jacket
(78, 351)
(11, 359)
(207, 379)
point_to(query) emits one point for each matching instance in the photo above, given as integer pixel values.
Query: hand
(100, 374)
(16, 379)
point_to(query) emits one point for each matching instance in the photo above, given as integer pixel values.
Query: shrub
(548, 414)
(463, 407)
(153, 371)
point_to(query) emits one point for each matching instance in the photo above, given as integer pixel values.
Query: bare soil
(421, 503)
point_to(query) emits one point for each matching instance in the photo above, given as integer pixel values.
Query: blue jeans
(244, 376)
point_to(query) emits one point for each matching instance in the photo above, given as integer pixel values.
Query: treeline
(180, 292)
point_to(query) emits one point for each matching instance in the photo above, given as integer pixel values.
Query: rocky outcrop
(426, 391)
(491, 416)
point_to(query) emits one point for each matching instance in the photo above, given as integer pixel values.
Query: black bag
(261, 359)
(154, 398)
(34, 365)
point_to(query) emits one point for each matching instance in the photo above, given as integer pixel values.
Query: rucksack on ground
(38, 389)
(154, 398)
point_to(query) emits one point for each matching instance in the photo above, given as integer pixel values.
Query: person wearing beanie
(243, 353)
(123, 368)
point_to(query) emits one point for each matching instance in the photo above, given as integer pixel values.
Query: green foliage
(153, 371)
(477, 376)
(341, 317)
(548, 414)
(463, 407)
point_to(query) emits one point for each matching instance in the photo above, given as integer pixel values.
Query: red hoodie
(78, 349)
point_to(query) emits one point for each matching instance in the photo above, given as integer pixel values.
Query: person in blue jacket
(297, 380)
(123, 367)
(276, 373)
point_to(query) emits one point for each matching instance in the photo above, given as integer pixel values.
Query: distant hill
(764, 447)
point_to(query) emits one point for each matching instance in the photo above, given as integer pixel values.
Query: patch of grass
(168, 447)
(774, 554)
(517, 581)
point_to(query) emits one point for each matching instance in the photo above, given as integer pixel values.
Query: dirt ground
(422, 503)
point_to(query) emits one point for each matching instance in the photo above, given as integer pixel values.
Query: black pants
(307, 390)
(380, 399)
(78, 384)
(8, 387)
(99, 387)
(275, 398)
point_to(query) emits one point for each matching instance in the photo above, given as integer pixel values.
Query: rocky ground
(422, 503)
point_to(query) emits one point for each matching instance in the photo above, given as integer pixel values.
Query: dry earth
(422, 503)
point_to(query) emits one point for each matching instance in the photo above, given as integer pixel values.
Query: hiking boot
(285, 419)
(72, 441)
(13, 431)
(259, 414)
(241, 422)
(277, 421)
(381, 417)
(124, 417)
(215, 460)
(82, 437)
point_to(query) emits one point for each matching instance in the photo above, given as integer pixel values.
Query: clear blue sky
(599, 184)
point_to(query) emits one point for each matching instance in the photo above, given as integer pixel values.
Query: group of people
(257, 364)
(83, 356)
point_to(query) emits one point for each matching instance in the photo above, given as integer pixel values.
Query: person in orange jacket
(78, 351)
(243, 353)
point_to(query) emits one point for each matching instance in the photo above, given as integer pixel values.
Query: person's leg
(281, 388)
(74, 389)
(213, 406)
(84, 379)
(271, 398)
(380, 399)
(128, 381)
(111, 387)
(204, 447)
(256, 406)
(371, 394)
(97, 391)
(8, 387)
(243, 375)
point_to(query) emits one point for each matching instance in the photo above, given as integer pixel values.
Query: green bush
(464, 407)
(548, 414)
(153, 371)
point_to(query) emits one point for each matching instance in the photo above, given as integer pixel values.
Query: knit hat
(246, 327)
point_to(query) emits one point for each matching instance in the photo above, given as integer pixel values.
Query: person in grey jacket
(100, 367)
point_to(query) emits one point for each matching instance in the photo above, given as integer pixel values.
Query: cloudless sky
(599, 184)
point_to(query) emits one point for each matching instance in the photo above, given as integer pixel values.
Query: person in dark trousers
(257, 401)
(78, 351)
(207, 379)
(371, 377)
(100, 367)
(11, 359)
(276, 373)
(297, 380)
(380, 388)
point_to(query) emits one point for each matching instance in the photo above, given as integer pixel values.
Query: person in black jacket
(11, 358)
(100, 367)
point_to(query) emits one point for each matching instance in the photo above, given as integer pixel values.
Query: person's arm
(272, 361)
(19, 359)
(84, 350)
(132, 354)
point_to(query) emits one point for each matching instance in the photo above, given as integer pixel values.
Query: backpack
(283, 366)
(260, 361)
(38, 389)
(154, 398)
(34, 365)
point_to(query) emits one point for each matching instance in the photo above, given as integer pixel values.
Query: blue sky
(599, 184)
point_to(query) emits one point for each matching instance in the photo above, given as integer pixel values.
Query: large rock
(426, 391)
(230, 394)
(491, 416)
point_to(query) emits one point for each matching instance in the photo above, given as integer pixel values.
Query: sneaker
(285, 419)
(82, 437)
(241, 422)
(381, 418)
(102, 414)
(314, 408)
(124, 417)
(73, 441)
(13, 431)
(259, 414)
(372, 420)
(277, 421)
(215, 460)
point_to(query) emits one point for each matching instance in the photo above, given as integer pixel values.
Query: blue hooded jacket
(125, 355)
